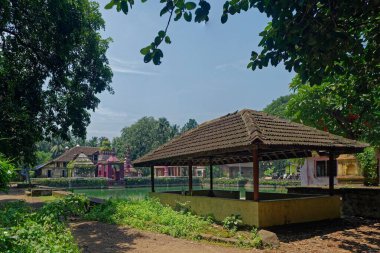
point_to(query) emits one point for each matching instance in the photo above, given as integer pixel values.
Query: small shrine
(109, 166)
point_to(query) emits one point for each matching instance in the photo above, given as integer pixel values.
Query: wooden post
(331, 172)
(211, 176)
(190, 172)
(255, 161)
(152, 177)
(211, 193)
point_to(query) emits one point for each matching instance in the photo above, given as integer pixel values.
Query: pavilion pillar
(211, 193)
(255, 161)
(152, 177)
(190, 172)
(332, 172)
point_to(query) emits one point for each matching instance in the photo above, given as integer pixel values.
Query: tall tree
(144, 136)
(192, 123)
(52, 66)
(340, 106)
(278, 107)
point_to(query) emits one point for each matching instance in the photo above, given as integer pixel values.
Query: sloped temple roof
(231, 138)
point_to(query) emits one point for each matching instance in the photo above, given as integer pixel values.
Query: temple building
(109, 166)
(314, 171)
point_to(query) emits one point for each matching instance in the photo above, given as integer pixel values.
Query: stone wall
(362, 202)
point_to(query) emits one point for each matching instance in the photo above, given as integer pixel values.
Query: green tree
(144, 136)
(52, 66)
(340, 106)
(278, 107)
(313, 38)
(192, 123)
(6, 172)
(105, 145)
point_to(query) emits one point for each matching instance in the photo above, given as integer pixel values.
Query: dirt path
(96, 237)
(354, 235)
(19, 194)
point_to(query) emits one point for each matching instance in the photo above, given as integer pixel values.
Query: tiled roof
(237, 132)
(70, 154)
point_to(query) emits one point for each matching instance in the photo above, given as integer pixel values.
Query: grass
(149, 214)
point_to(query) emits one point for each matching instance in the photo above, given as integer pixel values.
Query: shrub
(6, 172)
(27, 231)
(71, 182)
(232, 222)
(149, 214)
(368, 164)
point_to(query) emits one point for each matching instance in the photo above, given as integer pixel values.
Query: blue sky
(203, 74)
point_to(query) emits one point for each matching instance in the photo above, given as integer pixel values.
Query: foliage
(278, 107)
(53, 65)
(369, 165)
(105, 145)
(243, 181)
(24, 230)
(144, 136)
(43, 157)
(6, 172)
(232, 222)
(314, 39)
(149, 214)
(339, 106)
(269, 172)
(140, 181)
(71, 182)
(184, 208)
(192, 123)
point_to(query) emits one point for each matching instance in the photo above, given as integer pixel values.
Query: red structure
(109, 166)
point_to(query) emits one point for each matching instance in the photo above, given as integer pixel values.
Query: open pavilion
(251, 136)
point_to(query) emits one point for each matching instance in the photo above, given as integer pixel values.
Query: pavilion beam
(190, 172)
(152, 177)
(255, 161)
(331, 171)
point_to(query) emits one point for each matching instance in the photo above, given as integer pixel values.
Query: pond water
(142, 192)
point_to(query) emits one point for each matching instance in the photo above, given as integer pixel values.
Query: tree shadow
(351, 233)
(95, 237)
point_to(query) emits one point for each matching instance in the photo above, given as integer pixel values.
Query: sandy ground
(346, 235)
(350, 234)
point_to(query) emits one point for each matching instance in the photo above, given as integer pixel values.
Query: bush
(28, 231)
(149, 214)
(368, 164)
(143, 181)
(232, 222)
(6, 172)
(71, 182)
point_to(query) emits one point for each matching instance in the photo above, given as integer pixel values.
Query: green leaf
(187, 16)
(164, 10)
(161, 34)
(124, 7)
(145, 50)
(109, 5)
(224, 18)
(167, 40)
(190, 6)
(147, 58)
(178, 16)
(157, 41)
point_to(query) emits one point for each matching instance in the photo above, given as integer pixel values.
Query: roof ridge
(253, 130)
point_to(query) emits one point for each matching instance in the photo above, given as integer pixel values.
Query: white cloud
(129, 67)
(237, 65)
